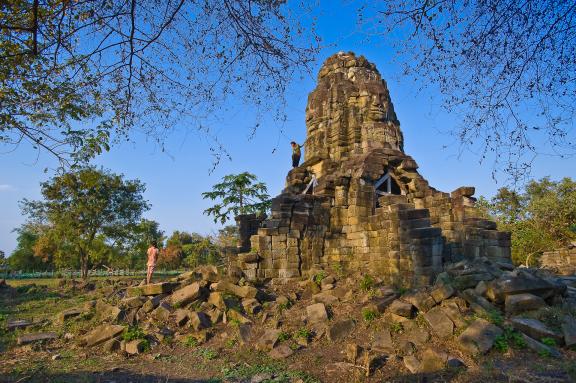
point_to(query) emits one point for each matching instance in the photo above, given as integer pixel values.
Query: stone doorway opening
(387, 185)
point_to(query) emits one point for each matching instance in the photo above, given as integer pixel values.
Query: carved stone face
(350, 111)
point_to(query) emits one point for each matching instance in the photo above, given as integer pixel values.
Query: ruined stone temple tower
(358, 202)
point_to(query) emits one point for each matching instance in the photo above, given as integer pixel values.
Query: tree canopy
(75, 75)
(507, 68)
(238, 194)
(542, 218)
(81, 211)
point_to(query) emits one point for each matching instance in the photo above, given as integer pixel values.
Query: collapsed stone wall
(561, 261)
(358, 202)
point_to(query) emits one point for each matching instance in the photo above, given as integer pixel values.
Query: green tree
(83, 208)
(116, 65)
(506, 67)
(541, 218)
(131, 252)
(238, 194)
(23, 257)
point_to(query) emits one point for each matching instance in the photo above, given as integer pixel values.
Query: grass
(396, 327)
(509, 338)
(133, 333)
(369, 315)
(284, 336)
(190, 341)
(318, 277)
(366, 283)
(303, 333)
(206, 353)
(278, 370)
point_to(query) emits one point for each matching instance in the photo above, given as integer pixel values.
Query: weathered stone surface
(479, 337)
(236, 316)
(215, 315)
(111, 345)
(217, 299)
(383, 341)
(569, 330)
(455, 363)
(540, 348)
(353, 352)
(152, 303)
(101, 334)
(38, 337)
(411, 363)
(245, 333)
(239, 291)
(67, 314)
(251, 306)
(282, 351)
(151, 289)
(186, 294)
(199, 320)
(402, 308)
(442, 292)
(340, 330)
(439, 322)
(417, 336)
(133, 302)
(535, 329)
(515, 304)
(499, 289)
(317, 313)
(326, 298)
(136, 346)
(432, 361)
(422, 300)
(18, 324)
(162, 312)
(181, 316)
(268, 340)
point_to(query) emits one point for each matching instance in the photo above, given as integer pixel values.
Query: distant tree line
(91, 218)
(541, 218)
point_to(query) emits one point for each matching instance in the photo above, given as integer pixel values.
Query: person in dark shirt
(295, 154)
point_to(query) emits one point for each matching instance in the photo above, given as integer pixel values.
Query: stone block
(340, 330)
(479, 337)
(151, 289)
(515, 304)
(317, 313)
(101, 334)
(187, 294)
(38, 337)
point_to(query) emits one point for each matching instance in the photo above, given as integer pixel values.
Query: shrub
(366, 283)
(396, 327)
(132, 333)
(369, 315)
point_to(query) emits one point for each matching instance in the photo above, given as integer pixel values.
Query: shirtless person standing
(152, 258)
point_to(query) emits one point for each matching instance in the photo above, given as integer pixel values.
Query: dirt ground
(223, 358)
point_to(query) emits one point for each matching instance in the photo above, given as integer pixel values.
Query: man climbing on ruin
(152, 258)
(295, 154)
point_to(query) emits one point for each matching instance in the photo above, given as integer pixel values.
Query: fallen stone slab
(442, 292)
(33, 338)
(133, 302)
(251, 306)
(500, 288)
(136, 346)
(326, 298)
(432, 361)
(187, 294)
(235, 316)
(518, 303)
(569, 330)
(411, 363)
(383, 341)
(268, 340)
(101, 334)
(536, 329)
(479, 304)
(340, 330)
(181, 316)
(402, 308)
(439, 322)
(162, 312)
(417, 336)
(422, 300)
(199, 320)
(239, 291)
(18, 324)
(317, 313)
(283, 351)
(67, 314)
(541, 348)
(151, 289)
(153, 302)
(479, 337)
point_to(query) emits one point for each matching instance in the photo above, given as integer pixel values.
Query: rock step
(425, 232)
(415, 223)
(401, 206)
(409, 214)
(480, 223)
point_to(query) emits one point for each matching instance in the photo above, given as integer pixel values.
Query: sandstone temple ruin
(357, 202)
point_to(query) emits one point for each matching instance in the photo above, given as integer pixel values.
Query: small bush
(396, 327)
(509, 338)
(190, 341)
(366, 283)
(284, 306)
(132, 333)
(303, 333)
(369, 315)
(319, 277)
(548, 342)
(284, 336)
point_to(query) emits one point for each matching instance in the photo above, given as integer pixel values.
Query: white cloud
(5, 187)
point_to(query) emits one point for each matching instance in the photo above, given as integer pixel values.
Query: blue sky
(175, 179)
